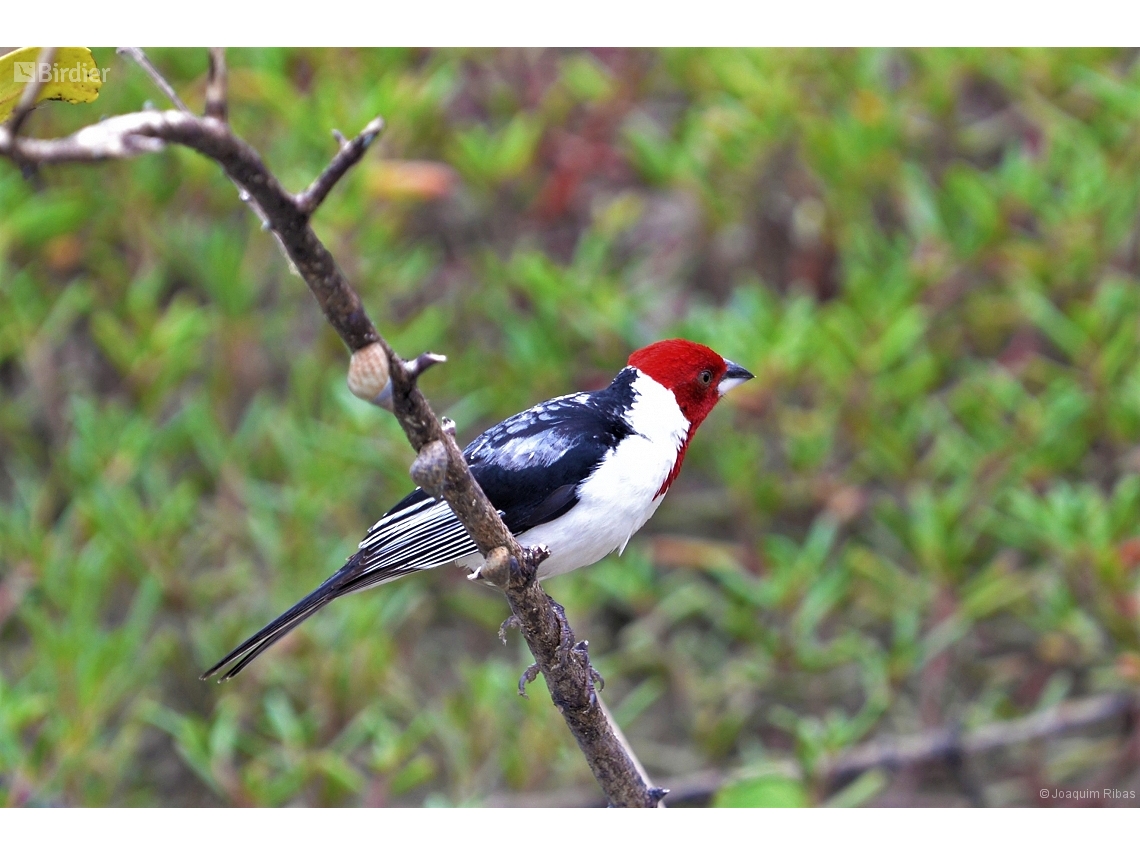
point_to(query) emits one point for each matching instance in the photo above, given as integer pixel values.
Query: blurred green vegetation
(924, 512)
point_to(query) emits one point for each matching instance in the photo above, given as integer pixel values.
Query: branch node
(447, 425)
(368, 374)
(497, 568)
(656, 794)
(429, 469)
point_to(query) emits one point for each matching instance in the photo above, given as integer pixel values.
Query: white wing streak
(426, 534)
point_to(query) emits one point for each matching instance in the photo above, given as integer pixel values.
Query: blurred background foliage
(922, 513)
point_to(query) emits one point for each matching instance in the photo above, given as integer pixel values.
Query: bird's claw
(510, 623)
(582, 651)
(527, 677)
(565, 632)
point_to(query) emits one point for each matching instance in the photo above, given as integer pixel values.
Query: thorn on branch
(216, 101)
(348, 155)
(429, 469)
(422, 363)
(161, 82)
(656, 794)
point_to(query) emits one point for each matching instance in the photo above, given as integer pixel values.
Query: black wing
(529, 465)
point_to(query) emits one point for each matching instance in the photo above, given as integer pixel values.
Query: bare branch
(440, 466)
(938, 745)
(569, 678)
(117, 137)
(946, 743)
(216, 106)
(656, 793)
(348, 154)
(161, 82)
(30, 93)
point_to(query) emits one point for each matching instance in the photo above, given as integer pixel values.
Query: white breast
(621, 495)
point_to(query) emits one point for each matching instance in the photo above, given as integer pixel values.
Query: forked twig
(440, 467)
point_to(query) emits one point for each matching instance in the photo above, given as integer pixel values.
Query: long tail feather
(418, 533)
(344, 581)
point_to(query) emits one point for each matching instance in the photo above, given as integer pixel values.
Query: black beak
(733, 376)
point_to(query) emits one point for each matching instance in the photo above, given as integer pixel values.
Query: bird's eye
(705, 377)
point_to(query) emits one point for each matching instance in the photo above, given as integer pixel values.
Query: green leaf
(764, 791)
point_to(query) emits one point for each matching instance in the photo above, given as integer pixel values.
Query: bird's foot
(527, 677)
(565, 632)
(510, 623)
(582, 651)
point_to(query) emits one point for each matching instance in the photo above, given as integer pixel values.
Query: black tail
(344, 581)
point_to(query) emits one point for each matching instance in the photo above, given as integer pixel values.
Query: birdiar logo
(34, 74)
(53, 72)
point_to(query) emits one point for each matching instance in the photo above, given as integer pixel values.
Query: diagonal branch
(153, 73)
(947, 743)
(440, 467)
(30, 93)
(890, 753)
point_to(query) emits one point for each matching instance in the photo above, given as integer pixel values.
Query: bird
(577, 474)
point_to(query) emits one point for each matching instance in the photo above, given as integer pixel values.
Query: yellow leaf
(72, 77)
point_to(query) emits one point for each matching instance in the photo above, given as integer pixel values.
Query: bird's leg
(532, 670)
(528, 677)
(565, 632)
(510, 623)
(582, 651)
(579, 649)
(568, 645)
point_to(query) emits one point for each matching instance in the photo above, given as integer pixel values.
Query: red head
(696, 375)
